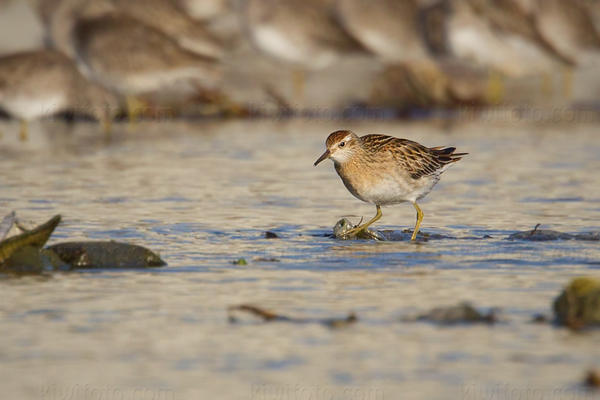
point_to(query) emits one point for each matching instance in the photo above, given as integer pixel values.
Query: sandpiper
(304, 33)
(135, 59)
(60, 17)
(167, 17)
(384, 170)
(40, 83)
(499, 36)
(388, 28)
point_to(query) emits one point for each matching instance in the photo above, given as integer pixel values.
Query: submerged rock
(459, 314)
(22, 253)
(593, 236)
(578, 305)
(406, 234)
(343, 226)
(269, 316)
(542, 235)
(110, 254)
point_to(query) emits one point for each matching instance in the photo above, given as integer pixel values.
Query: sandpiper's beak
(323, 157)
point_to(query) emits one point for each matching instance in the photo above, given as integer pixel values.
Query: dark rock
(542, 235)
(269, 316)
(592, 379)
(539, 319)
(344, 226)
(110, 254)
(458, 314)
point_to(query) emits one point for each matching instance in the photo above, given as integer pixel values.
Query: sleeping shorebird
(304, 33)
(135, 59)
(39, 83)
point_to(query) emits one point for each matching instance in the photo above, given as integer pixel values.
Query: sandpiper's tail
(447, 155)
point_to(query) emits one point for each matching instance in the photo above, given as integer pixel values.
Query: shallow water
(202, 194)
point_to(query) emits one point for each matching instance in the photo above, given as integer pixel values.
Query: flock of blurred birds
(105, 58)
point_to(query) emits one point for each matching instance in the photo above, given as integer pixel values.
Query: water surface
(202, 194)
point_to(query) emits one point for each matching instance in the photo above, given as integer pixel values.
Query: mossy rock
(344, 226)
(578, 305)
(22, 253)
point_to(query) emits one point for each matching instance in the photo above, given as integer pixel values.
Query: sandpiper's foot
(23, 131)
(135, 108)
(345, 230)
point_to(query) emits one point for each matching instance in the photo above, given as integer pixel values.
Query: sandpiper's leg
(23, 131)
(567, 82)
(419, 219)
(135, 107)
(364, 226)
(495, 88)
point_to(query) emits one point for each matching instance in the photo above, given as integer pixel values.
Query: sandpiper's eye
(342, 144)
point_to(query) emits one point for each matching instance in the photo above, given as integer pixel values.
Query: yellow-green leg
(364, 226)
(567, 82)
(23, 131)
(419, 219)
(135, 107)
(495, 88)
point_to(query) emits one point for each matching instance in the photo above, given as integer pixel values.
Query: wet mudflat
(202, 194)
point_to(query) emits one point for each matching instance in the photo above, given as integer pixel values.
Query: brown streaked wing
(415, 158)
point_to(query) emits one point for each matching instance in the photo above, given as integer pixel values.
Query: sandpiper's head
(341, 145)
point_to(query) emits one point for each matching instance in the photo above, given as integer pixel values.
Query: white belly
(273, 42)
(289, 47)
(31, 107)
(391, 190)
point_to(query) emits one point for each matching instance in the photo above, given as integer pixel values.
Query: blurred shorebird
(501, 36)
(543, 36)
(384, 170)
(568, 27)
(135, 59)
(203, 9)
(388, 28)
(393, 31)
(167, 17)
(60, 16)
(304, 33)
(35, 84)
